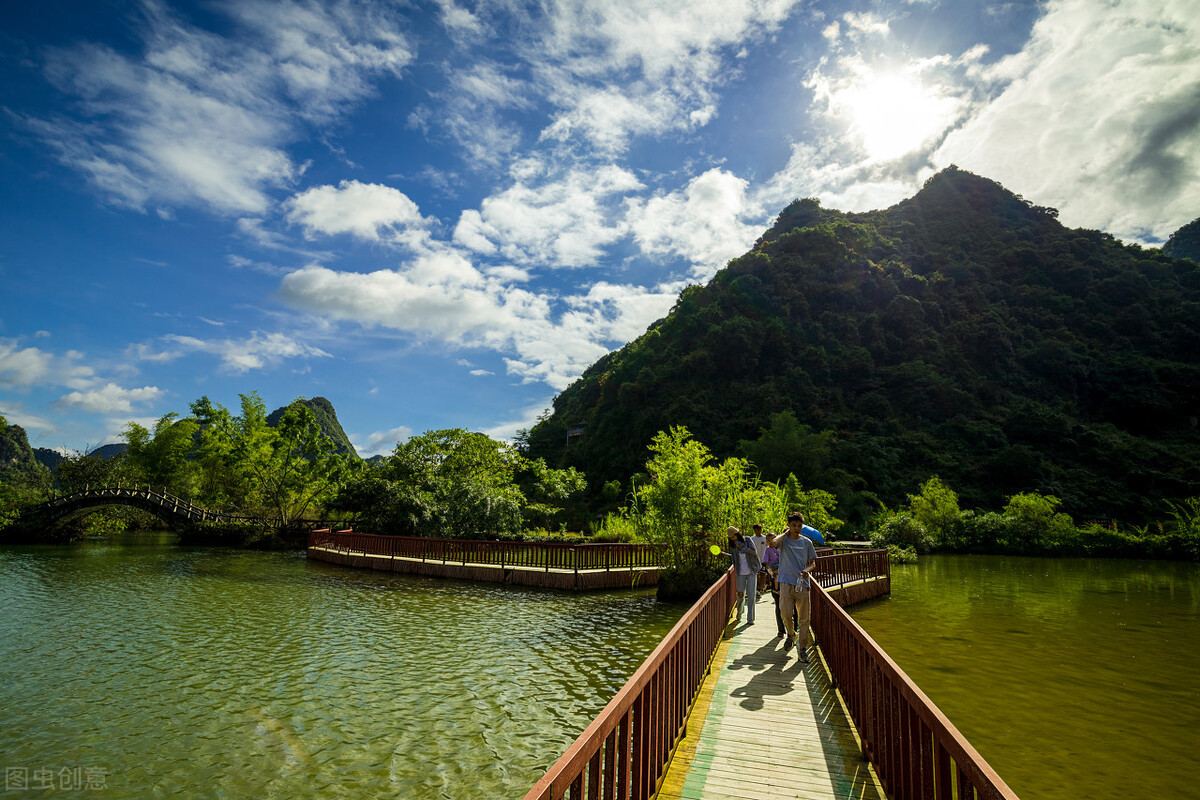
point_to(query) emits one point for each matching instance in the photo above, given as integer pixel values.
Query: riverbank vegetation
(457, 484)
(1031, 524)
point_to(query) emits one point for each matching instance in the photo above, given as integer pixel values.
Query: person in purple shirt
(797, 559)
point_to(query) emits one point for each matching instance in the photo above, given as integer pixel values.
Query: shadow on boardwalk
(768, 726)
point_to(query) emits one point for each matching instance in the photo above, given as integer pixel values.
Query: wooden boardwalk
(767, 727)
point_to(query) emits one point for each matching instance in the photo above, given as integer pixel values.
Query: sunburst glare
(894, 113)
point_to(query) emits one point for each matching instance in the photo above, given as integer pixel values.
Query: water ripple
(209, 673)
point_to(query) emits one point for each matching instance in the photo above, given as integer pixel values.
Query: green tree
(788, 446)
(79, 471)
(935, 508)
(290, 469)
(1035, 524)
(447, 483)
(28, 479)
(219, 483)
(546, 490)
(689, 498)
(164, 458)
(675, 505)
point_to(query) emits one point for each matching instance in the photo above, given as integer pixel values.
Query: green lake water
(1072, 677)
(159, 671)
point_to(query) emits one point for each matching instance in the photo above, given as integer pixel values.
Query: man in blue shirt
(797, 559)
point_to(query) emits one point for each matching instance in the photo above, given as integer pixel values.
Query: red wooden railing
(531, 555)
(840, 568)
(624, 752)
(916, 751)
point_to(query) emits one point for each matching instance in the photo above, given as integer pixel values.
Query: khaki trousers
(800, 599)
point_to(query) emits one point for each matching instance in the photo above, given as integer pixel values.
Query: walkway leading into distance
(768, 727)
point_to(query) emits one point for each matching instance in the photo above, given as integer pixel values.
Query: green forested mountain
(963, 333)
(326, 417)
(18, 465)
(1185, 242)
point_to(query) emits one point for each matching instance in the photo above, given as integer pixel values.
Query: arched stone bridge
(175, 511)
(168, 508)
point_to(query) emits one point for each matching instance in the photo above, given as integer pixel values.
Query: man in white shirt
(760, 547)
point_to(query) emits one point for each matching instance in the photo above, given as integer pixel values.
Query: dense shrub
(902, 531)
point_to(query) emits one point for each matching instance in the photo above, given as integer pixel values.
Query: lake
(1072, 677)
(150, 670)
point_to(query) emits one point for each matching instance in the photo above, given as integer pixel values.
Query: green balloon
(715, 550)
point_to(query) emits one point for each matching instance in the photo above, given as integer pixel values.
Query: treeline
(1029, 524)
(282, 469)
(458, 484)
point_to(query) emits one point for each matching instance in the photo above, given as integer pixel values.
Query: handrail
(532, 555)
(916, 751)
(623, 753)
(838, 569)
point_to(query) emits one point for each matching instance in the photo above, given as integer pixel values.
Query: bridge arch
(173, 510)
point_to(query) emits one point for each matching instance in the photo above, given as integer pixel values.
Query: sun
(894, 114)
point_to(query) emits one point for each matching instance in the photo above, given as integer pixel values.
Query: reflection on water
(217, 673)
(1072, 677)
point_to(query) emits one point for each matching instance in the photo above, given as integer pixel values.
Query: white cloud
(705, 222)
(1099, 116)
(890, 111)
(507, 430)
(608, 117)
(143, 352)
(324, 52)
(16, 415)
(22, 367)
(559, 223)
(381, 442)
(486, 84)
(479, 373)
(369, 211)
(619, 70)
(29, 367)
(439, 296)
(508, 274)
(460, 22)
(201, 119)
(254, 352)
(262, 267)
(110, 399)
(1103, 126)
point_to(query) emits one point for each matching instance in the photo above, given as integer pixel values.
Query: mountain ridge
(963, 332)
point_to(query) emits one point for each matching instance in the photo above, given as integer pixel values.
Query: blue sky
(438, 214)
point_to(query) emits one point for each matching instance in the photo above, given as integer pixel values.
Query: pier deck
(767, 727)
(467, 569)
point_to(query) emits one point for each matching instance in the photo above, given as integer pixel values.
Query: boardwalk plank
(767, 727)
